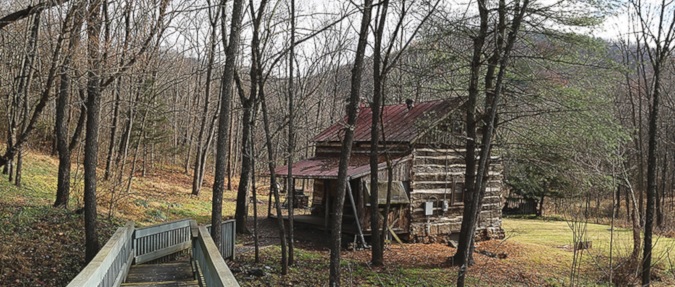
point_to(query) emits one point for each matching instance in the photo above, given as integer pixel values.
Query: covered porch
(319, 176)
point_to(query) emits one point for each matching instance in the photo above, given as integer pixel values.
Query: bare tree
(345, 152)
(203, 147)
(249, 105)
(30, 9)
(290, 183)
(63, 146)
(93, 118)
(657, 32)
(231, 53)
(117, 91)
(477, 167)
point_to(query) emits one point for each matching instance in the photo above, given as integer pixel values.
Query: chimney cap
(409, 103)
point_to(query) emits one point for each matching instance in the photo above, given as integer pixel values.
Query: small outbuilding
(424, 145)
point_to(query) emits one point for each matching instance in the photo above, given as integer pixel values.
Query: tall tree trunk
(241, 213)
(93, 116)
(462, 256)
(254, 197)
(377, 243)
(62, 109)
(221, 147)
(493, 88)
(249, 106)
(658, 46)
(290, 189)
(118, 92)
(202, 148)
(62, 103)
(345, 153)
(24, 89)
(230, 143)
(274, 186)
(651, 179)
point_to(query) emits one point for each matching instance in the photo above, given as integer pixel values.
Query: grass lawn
(556, 239)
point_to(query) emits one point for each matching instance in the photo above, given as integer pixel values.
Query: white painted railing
(157, 241)
(210, 263)
(111, 264)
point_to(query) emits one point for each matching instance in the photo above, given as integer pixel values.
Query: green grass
(556, 241)
(559, 235)
(38, 183)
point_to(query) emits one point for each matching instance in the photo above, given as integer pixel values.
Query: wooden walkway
(128, 258)
(164, 274)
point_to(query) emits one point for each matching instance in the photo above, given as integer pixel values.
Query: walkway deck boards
(164, 274)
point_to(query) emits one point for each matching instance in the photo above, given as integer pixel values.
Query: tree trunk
(230, 143)
(241, 213)
(377, 243)
(249, 106)
(202, 148)
(91, 140)
(274, 187)
(462, 256)
(290, 189)
(499, 58)
(661, 192)
(231, 53)
(64, 149)
(23, 90)
(118, 92)
(345, 153)
(62, 103)
(651, 179)
(19, 164)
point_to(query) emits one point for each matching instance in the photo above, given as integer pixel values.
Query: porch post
(356, 215)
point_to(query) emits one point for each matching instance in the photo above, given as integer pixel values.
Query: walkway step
(193, 283)
(164, 272)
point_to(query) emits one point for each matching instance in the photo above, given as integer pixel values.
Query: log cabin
(423, 144)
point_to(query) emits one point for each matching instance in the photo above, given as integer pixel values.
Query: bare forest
(564, 110)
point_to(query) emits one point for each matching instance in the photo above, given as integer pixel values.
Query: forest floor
(44, 246)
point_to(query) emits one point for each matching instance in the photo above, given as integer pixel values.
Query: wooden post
(356, 215)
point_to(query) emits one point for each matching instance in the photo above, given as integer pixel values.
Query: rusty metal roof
(327, 167)
(400, 124)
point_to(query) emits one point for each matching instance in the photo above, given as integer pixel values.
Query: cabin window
(399, 195)
(457, 125)
(458, 193)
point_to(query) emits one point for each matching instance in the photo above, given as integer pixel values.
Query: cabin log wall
(437, 175)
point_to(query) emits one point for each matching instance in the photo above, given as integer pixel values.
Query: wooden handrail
(111, 264)
(194, 229)
(211, 263)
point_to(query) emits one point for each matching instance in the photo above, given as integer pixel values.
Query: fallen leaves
(44, 246)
